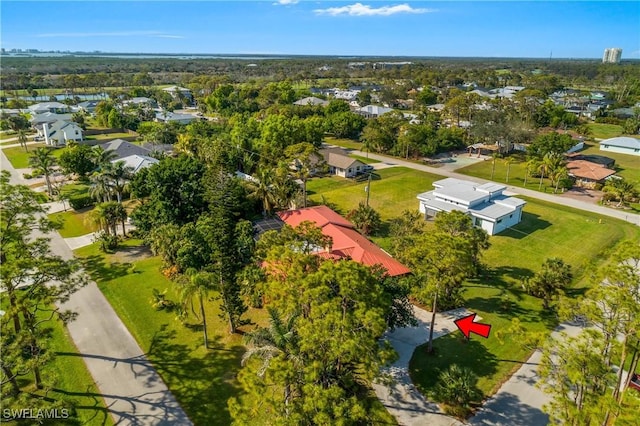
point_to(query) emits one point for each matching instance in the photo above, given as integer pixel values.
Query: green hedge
(80, 201)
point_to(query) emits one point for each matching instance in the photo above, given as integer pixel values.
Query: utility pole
(368, 189)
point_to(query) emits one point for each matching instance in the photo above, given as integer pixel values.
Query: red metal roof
(347, 242)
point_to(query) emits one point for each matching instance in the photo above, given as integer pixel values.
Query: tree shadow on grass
(451, 349)
(203, 381)
(97, 267)
(530, 223)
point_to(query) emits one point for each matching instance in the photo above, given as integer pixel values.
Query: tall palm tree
(103, 157)
(508, 162)
(530, 166)
(623, 190)
(197, 287)
(22, 139)
(557, 175)
(101, 187)
(280, 339)
(44, 163)
(115, 212)
(120, 175)
(263, 190)
(554, 164)
(98, 217)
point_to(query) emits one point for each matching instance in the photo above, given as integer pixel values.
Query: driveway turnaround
(133, 391)
(401, 398)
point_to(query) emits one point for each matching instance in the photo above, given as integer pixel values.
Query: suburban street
(133, 391)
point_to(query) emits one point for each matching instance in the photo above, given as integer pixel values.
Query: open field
(604, 131)
(19, 158)
(345, 143)
(201, 380)
(74, 223)
(108, 136)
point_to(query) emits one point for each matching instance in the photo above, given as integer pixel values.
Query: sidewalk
(402, 399)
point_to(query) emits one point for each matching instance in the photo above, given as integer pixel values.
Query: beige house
(341, 164)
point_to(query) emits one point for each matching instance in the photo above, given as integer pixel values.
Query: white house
(622, 144)
(489, 208)
(176, 92)
(372, 111)
(137, 162)
(312, 101)
(166, 117)
(60, 132)
(55, 107)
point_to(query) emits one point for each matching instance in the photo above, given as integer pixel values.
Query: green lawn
(604, 131)
(627, 166)
(345, 143)
(547, 230)
(517, 171)
(74, 223)
(395, 190)
(20, 159)
(108, 136)
(364, 160)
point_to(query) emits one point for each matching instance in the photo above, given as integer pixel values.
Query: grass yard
(604, 131)
(108, 136)
(345, 143)
(19, 158)
(547, 230)
(627, 166)
(201, 380)
(364, 160)
(395, 190)
(517, 171)
(74, 223)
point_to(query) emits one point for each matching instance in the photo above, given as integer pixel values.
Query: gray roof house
(341, 164)
(59, 132)
(137, 162)
(48, 117)
(373, 111)
(166, 117)
(43, 107)
(488, 207)
(124, 149)
(621, 144)
(311, 100)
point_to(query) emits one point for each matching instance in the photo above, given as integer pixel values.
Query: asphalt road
(133, 391)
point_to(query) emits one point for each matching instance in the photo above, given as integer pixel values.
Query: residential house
(124, 149)
(48, 117)
(60, 132)
(140, 100)
(341, 164)
(311, 101)
(178, 92)
(588, 174)
(347, 243)
(488, 207)
(372, 111)
(621, 144)
(166, 117)
(88, 106)
(54, 107)
(137, 162)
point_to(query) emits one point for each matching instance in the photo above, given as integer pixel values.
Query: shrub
(27, 175)
(160, 301)
(80, 201)
(457, 387)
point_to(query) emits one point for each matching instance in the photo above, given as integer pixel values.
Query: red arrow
(466, 325)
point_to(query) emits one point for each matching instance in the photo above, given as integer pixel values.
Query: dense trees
(78, 159)
(550, 281)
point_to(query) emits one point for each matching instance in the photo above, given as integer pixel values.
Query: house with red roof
(347, 242)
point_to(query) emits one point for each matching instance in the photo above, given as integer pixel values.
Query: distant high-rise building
(612, 55)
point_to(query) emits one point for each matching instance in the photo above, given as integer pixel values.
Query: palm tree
(623, 190)
(197, 286)
(365, 219)
(98, 217)
(280, 339)
(115, 212)
(43, 162)
(531, 165)
(22, 139)
(103, 156)
(120, 175)
(494, 157)
(555, 165)
(508, 162)
(263, 191)
(101, 186)
(557, 175)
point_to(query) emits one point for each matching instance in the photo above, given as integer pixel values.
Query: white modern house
(60, 132)
(622, 144)
(489, 208)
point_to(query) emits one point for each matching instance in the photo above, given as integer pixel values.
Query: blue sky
(579, 29)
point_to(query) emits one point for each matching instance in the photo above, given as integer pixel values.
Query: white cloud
(359, 9)
(110, 34)
(285, 2)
